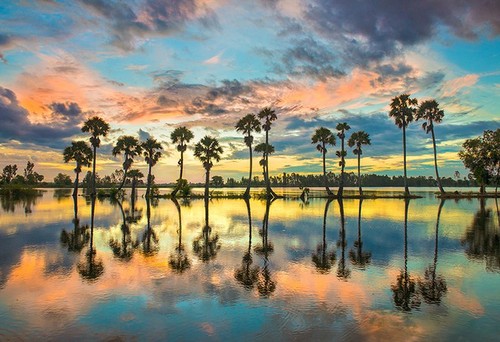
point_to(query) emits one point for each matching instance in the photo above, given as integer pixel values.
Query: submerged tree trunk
(149, 182)
(270, 192)
(435, 160)
(340, 193)
(180, 175)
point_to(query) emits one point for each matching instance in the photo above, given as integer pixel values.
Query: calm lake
(226, 269)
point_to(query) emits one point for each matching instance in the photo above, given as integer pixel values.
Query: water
(295, 274)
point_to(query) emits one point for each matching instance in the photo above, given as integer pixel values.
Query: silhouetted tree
(180, 136)
(322, 137)
(151, 151)
(208, 151)
(342, 128)
(267, 115)
(131, 148)
(247, 125)
(81, 153)
(97, 127)
(359, 257)
(359, 139)
(323, 259)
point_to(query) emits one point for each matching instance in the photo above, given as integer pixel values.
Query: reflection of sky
(42, 291)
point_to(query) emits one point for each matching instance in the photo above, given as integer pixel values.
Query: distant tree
(81, 154)
(403, 110)
(62, 179)
(31, 177)
(130, 147)
(359, 139)
(247, 125)
(181, 136)
(135, 175)
(268, 115)
(322, 137)
(152, 153)
(481, 156)
(342, 128)
(9, 173)
(208, 151)
(430, 112)
(97, 127)
(217, 181)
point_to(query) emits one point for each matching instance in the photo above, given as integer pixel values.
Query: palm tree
(403, 110)
(131, 148)
(322, 137)
(151, 151)
(135, 175)
(97, 128)
(247, 125)
(208, 150)
(81, 153)
(180, 136)
(268, 115)
(430, 112)
(265, 149)
(359, 139)
(342, 128)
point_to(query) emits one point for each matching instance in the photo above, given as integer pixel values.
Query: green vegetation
(357, 140)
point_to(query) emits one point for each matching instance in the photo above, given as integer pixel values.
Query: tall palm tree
(430, 112)
(322, 137)
(151, 151)
(180, 136)
(247, 125)
(267, 115)
(265, 149)
(403, 109)
(97, 127)
(359, 139)
(208, 151)
(130, 147)
(81, 153)
(342, 128)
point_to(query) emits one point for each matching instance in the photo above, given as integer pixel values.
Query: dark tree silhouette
(124, 249)
(81, 153)
(323, 259)
(342, 128)
(267, 115)
(433, 287)
(247, 125)
(405, 294)
(149, 244)
(322, 137)
(79, 237)
(180, 136)
(131, 148)
(208, 151)
(403, 110)
(152, 153)
(343, 272)
(265, 284)
(135, 175)
(359, 139)
(359, 258)
(92, 267)
(97, 127)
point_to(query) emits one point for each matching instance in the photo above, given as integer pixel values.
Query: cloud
(213, 60)
(17, 126)
(453, 86)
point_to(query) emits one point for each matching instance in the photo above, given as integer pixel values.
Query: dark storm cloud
(16, 125)
(372, 30)
(152, 17)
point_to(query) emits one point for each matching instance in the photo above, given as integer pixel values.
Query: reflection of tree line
(481, 241)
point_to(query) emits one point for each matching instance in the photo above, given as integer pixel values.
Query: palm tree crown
(358, 139)
(151, 151)
(129, 146)
(269, 115)
(429, 111)
(323, 136)
(248, 124)
(403, 110)
(208, 150)
(80, 152)
(181, 136)
(97, 127)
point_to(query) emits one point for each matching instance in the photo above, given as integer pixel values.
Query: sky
(148, 66)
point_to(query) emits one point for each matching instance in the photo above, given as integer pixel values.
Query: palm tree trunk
(207, 180)
(149, 181)
(93, 173)
(407, 190)
(75, 190)
(270, 192)
(435, 160)
(180, 175)
(341, 187)
(124, 179)
(247, 191)
(328, 191)
(359, 173)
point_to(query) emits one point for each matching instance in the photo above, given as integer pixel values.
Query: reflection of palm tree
(123, 249)
(130, 147)
(92, 268)
(322, 137)
(482, 238)
(247, 275)
(342, 271)
(434, 286)
(97, 128)
(79, 237)
(150, 242)
(322, 259)
(179, 261)
(358, 256)
(205, 245)
(265, 284)
(404, 291)
(247, 125)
